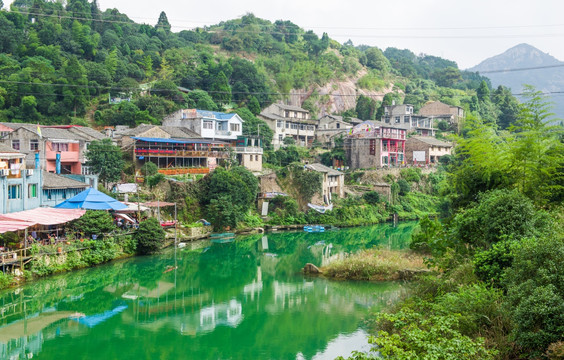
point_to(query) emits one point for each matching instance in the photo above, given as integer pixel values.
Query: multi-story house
(425, 150)
(333, 182)
(207, 124)
(61, 149)
(289, 121)
(330, 127)
(19, 186)
(403, 116)
(374, 144)
(440, 111)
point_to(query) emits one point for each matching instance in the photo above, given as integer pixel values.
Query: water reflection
(239, 300)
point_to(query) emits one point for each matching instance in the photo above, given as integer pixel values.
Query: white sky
(466, 31)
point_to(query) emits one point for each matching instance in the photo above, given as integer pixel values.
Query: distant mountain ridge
(550, 79)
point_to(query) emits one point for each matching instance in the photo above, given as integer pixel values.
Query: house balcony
(182, 153)
(248, 150)
(183, 171)
(223, 133)
(66, 156)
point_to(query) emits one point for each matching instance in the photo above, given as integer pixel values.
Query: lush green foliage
(94, 222)
(535, 293)
(105, 159)
(227, 195)
(149, 236)
(371, 197)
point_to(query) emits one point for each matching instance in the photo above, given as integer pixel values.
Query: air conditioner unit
(4, 172)
(29, 172)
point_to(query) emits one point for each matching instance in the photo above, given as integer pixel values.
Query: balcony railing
(222, 132)
(183, 153)
(182, 171)
(248, 150)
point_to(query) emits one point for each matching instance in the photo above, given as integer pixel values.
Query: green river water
(240, 300)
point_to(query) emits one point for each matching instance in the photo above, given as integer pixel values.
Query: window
(34, 145)
(372, 146)
(287, 125)
(338, 126)
(256, 157)
(14, 191)
(208, 124)
(397, 119)
(234, 127)
(280, 124)
(15, 144)
(32, 191)
(280, 137)
(60, 147)
(406, 119)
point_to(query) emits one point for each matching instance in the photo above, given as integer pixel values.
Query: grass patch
(375, 264)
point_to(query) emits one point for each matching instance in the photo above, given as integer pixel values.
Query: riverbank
(377, 265)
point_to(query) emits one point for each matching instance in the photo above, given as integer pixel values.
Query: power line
(521, 69)
(262, 31)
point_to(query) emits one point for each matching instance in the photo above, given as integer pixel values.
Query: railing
(183, 153)
(182, 171)
(248, 150)
(223, 132)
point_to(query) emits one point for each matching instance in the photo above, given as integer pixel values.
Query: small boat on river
(314, 228)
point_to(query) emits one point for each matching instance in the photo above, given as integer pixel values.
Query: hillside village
(192, 141)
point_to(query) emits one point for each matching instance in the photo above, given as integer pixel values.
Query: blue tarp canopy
(92, 199)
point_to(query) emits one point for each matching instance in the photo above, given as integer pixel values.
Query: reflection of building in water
(288, 295)
(21, 348)
(228, 314)
(255, 287)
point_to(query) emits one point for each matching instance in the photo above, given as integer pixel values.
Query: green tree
(149, 236)
(366, 108)
(105, 159)
(163, 22)
(94, 222)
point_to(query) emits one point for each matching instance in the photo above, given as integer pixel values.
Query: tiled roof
(54, 181)
(322, 168)
(65, 134)
(181, 132)
(94, 134)
(7, 149)
(290, 107)
(431, 141)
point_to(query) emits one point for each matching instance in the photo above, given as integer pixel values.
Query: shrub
(535, 293)
(154, 180)
(371, 197)
(425, 238)
(94, 222)
(411, 174)
(149, 236)
(404, 187)
(489, 265)
(149, 169)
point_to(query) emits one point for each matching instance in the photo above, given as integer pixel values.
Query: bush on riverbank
(89, 253)
(149, 237)
(375, 264)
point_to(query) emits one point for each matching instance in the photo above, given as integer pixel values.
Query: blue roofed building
(207, 124)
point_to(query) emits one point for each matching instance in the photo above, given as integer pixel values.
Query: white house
(207, 124)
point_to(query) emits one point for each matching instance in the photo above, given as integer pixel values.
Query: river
(244, 299)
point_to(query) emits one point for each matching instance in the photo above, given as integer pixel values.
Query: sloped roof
(322, 168)
(15, 126)
(7, 149)
(54, 181)
(431, 141)
(291, 107)
(181, 132)
(94, 134)
(66, 134)
(216, 114)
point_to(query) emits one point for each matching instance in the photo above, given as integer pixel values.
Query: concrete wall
(24, 202)
(358, 153)
(432, 152)
(252, 162)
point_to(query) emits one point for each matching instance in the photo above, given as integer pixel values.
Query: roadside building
(248, 150)
(403, 116)
(180, 156)
(19, 186)
(330, 127)
(207, 124)
(61, 149)
(57, 188)
(289, 121)
(374, 144)
(424, 150)
(333, 182)
(441, 111)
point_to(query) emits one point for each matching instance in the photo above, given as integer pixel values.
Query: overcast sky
(464, 31)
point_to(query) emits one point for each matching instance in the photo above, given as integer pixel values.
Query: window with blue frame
(14, 191)
(32, 191)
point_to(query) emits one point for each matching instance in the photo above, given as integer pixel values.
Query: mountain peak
(519, 56)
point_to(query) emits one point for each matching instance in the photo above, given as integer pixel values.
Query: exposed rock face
(309, 268)
(337, 95)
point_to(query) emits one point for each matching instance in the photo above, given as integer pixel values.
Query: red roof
(13, 225)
